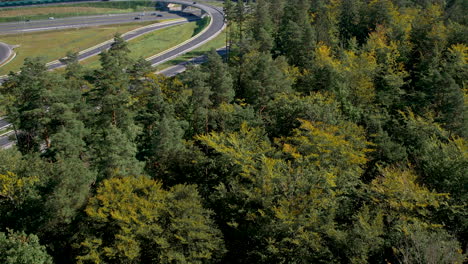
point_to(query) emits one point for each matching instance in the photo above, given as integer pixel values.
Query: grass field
(154, 42)
(69, 10)
(52, 45)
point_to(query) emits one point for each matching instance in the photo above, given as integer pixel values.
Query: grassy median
(52, 45)
(154, 43)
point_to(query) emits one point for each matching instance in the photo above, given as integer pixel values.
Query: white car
(51, 18)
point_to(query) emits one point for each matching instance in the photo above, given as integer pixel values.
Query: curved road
(215, 27)
(5, 52)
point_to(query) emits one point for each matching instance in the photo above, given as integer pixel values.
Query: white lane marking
(8, 60)
(50, 28)
(207, 11)
(8, 55)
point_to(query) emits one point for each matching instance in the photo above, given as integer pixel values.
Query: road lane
(5, 52)
(181, 67)
(3, 123)
(128, 36)
(215, 27)
(5, 141)
(217, 24)
(77, 22)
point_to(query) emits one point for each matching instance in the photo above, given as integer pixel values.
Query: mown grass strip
(52, 45)
(154, 42)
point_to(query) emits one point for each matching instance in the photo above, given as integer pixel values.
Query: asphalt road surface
(77, 22)
(181, 67)
(5, 52)
(3, 123)
(5, 141)
(216, 26)
(100, 48)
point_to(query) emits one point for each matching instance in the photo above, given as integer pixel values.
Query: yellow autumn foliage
(12, 187)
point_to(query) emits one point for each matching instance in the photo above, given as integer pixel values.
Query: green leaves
(335, 133)
(398, 193)
(133, 220)
(419, 245)
(14, 189)
(19, 248)
(261, 78)
(286, 196)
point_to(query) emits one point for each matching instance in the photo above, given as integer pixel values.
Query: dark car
(159, 15)
(194, 3)
(136, 18)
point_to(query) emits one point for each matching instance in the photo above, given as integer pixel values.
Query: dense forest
(333, 132)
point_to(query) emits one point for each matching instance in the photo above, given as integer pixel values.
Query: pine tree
(199, 101)
(262, 27)
(262, 79)
(112, 141)
(20, 248)
(30, 95)
(219, 79)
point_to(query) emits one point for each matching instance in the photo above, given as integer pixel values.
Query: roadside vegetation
(153, 43)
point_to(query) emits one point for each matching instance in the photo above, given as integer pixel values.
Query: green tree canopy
(20, 248)
(133, 220)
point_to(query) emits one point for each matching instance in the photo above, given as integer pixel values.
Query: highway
(3, 123)
(217, 24)
(77, 22)
(5, 140)
(5, 52)
(128, 36)
(215, 27)
(181, 67)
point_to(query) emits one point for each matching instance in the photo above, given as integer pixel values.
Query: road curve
(217, 24)
(215, 27)
(5, 52)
